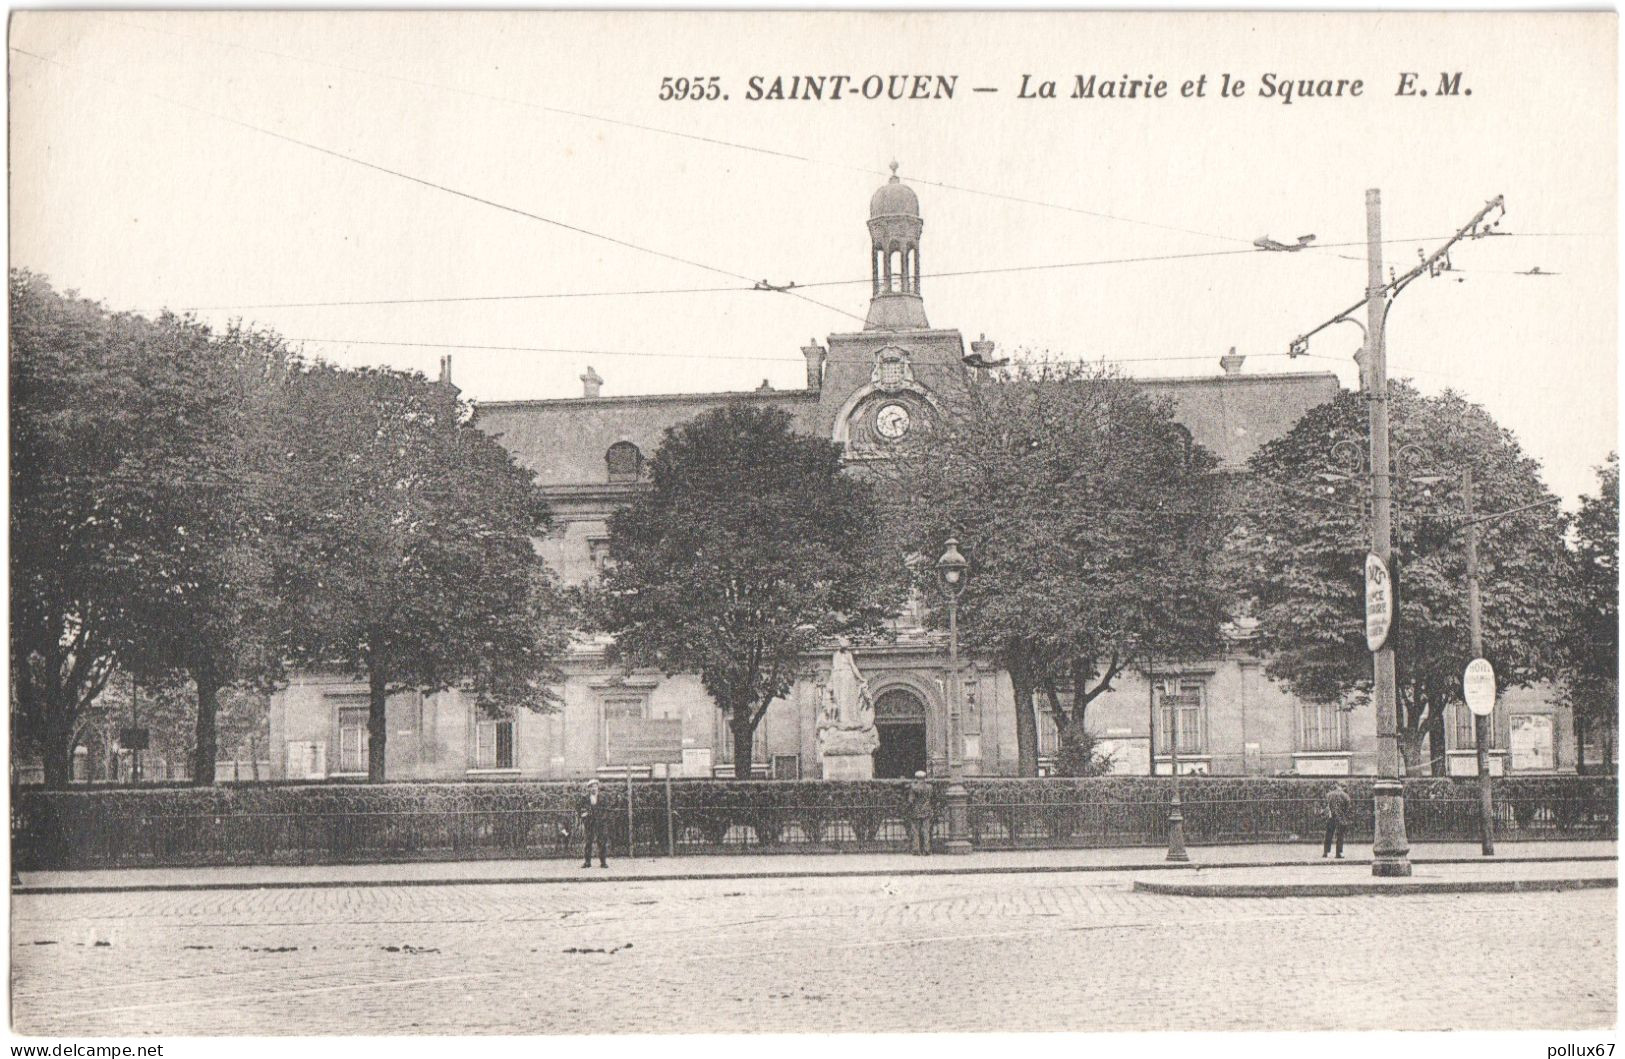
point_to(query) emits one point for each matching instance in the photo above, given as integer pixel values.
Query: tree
(1590, 661)
(1090, 520)
(217, 605)
(749, 550)
(407, 547)
(1299, 554)
(99, 455)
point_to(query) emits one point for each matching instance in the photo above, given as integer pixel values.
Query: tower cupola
(894, 257)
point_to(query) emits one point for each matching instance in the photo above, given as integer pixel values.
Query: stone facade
(864, 390)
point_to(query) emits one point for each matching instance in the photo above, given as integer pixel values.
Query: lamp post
(1176, 812)
(952, 570)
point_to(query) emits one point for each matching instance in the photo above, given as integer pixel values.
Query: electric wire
(658, 130)
(402, 175)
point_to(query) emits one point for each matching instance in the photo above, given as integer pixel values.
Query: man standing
(1337, 818)
(593, 812)
(919, 812)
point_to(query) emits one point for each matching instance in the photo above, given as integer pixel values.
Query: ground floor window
(1182, 714)
(1322, 727)
(353, 738)
(1463, 734)
(493, 744)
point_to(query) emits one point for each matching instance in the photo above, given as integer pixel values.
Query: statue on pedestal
(846, 726)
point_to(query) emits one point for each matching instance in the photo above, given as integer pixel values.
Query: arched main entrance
(900, 722)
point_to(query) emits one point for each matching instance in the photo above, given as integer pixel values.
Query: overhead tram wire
(658, 130)
(399, 174)
(958, 274)
(484, 347)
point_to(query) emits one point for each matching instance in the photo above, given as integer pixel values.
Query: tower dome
(894, 257)
(894, 199)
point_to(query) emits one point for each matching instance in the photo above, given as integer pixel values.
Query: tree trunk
(56, 749)
(1608, 749)
(1026, 720)
(1410, 751)
(743, 733)
(377, 722)
(1437, 755)
(206, 747)
(254, 758)
(1579, 743)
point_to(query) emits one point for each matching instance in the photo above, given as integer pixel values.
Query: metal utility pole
(1389, 849)
(1475, 634)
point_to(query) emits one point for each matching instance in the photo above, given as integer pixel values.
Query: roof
(564, 440)
(1232, 415)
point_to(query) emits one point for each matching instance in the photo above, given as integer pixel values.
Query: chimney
(445, 374)
(591, 383)
(1231, 362)
(766, 387)
(982, 348)
(815, 364)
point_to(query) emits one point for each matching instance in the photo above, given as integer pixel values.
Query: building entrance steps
(1282, 863)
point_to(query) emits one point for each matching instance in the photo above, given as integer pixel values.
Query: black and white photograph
(599, 524)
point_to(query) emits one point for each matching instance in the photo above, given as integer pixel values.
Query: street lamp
(1176, 812)
(952, 571)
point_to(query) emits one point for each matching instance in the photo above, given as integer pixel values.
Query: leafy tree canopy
(407, 546)
(1090, 520)
(1299, 555)
(1590, 654)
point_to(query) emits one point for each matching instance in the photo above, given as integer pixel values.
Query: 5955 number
(691, 88)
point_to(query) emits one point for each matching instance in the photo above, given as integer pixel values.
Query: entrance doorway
(901, 752)
(900, 723)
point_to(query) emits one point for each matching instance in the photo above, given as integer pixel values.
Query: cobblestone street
(995, 952)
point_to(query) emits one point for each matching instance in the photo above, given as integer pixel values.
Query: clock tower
(880, 387)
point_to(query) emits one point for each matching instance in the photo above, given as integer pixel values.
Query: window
(353, 739)
(625, 462)
(622, 704)
(493, 744)
(1182, 709)
(1322, 727)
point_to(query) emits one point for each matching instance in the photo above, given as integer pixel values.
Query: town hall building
(865, 390)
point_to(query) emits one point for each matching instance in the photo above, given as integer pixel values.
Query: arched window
(625, 462)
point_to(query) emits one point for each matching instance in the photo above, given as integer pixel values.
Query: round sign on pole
(1379, 602)
(1478, 685)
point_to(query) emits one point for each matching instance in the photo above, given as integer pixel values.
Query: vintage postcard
(624, 523)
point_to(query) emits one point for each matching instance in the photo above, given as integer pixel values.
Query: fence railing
(316, 823)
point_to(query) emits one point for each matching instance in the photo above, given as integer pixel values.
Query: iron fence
(285, 824)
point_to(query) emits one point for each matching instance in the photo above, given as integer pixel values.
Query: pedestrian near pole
(1475, 637)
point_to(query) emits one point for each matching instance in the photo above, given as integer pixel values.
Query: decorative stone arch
(922, 688)
(842, 434)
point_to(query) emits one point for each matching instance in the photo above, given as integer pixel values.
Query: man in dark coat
(1337, 818)
(919, 815)
(592, 810)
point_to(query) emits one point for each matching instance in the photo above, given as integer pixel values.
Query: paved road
(1011, 952)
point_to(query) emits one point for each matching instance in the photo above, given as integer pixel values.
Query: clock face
(891, 422)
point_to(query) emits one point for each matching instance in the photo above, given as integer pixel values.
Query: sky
(515, 190)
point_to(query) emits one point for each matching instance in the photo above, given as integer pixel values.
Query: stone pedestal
(849, 767)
